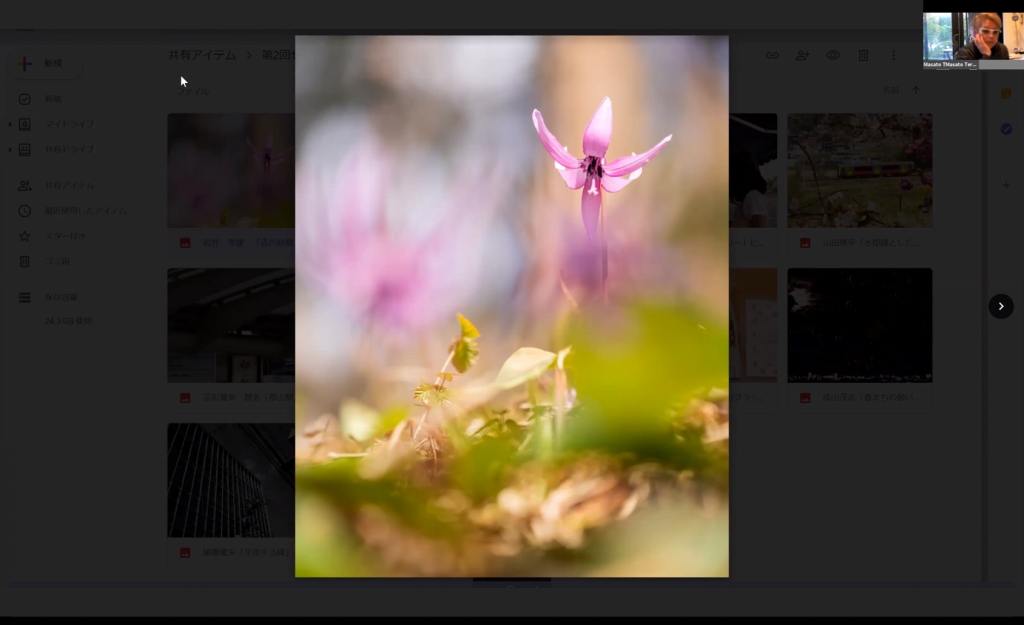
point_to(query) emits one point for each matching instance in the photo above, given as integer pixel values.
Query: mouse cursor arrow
(183, 82)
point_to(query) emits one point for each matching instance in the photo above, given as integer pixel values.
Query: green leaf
(480, 473)
(390, 419)
(469, 331)
(528, 363)
(630, 372)
(466, 353)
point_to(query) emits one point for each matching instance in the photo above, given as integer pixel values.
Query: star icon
(24, 236)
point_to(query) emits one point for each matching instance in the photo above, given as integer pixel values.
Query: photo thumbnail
(231, 325)
(860, 170)
(230, 171)
(753, 325)
(753, 171)
(230, 480)
(860, 325)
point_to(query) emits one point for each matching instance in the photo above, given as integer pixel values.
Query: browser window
(386, 313)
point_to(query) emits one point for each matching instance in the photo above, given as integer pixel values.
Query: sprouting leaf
(431, 394)
(466, 353)
(447, 377)
(469, 331)
(527, 363)
(421, 391)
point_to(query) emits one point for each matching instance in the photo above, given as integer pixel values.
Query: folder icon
(1006, 93)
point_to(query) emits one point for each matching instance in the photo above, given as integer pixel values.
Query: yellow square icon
(1006, 93)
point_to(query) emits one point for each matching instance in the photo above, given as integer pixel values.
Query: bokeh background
(423, 191)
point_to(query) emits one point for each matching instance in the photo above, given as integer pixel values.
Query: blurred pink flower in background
(347, 249)
(198, 185)
(591, 172)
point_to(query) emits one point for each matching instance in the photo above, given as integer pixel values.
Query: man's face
(988, 31)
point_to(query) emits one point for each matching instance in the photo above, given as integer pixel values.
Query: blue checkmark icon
(1006, 129)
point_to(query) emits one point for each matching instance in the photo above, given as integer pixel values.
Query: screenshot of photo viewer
(235, 276)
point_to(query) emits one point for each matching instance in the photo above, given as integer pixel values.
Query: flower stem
(604, 256)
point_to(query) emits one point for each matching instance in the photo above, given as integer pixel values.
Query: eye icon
(832, 55)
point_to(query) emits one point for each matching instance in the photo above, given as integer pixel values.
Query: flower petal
(574, 178)
(598, 134)
(614, 185)
(629, 164)
(591, 206)
(551, 144)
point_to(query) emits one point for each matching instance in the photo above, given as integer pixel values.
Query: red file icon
(805, 398)
(185, 552)
(805, 243)
(185, 398)
(185, 242)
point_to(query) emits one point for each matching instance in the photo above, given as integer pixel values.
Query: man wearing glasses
(985, 45)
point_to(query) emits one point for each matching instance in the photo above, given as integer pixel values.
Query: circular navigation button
(1001, 306)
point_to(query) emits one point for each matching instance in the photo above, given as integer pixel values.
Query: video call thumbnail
(230, 171)
(230, 480)
(995, 36)
(753, 325)
(860, 325)
(513, 360)
(753, 170)
(231, 325)
(860, 170)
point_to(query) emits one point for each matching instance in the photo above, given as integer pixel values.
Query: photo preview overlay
(513, 350)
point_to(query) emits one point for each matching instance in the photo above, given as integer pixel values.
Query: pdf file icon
(185, 552)
(805, 243)
(185, 243)
(805, 398)
(185, 398)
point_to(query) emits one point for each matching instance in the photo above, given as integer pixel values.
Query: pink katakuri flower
(591, 172)
(267, 157)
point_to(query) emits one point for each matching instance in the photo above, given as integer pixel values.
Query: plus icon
(1006, 185)
(24, 63)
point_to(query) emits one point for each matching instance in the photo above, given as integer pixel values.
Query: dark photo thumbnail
(230, 171)
(233, 480)
(231, 325)
(753, 170)
(860, 325)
